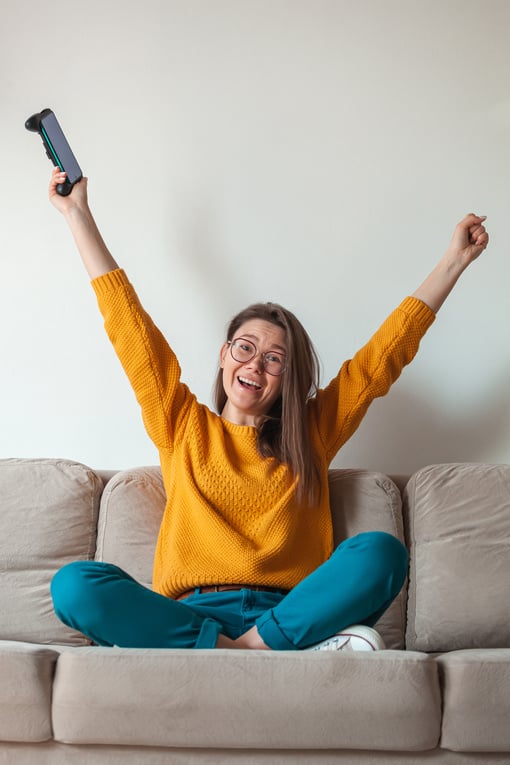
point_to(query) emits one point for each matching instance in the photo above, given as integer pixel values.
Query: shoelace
(335, 643)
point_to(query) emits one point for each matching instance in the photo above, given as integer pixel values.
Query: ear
(223, 353)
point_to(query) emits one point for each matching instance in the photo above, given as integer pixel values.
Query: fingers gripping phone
(57, 148)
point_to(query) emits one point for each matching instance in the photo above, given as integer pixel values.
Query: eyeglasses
(244, 350)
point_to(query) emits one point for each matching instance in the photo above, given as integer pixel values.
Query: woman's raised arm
(94, 253)
(469, 240)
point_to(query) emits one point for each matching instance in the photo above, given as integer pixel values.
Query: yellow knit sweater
(232, 516)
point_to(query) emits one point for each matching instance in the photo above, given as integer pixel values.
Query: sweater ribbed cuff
(109, 282)
(418, 310)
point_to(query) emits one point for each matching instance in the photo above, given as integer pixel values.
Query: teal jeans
(354, 586)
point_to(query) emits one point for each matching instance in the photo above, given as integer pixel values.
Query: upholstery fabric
(459, 538)
(476, 692)
(53, 753)
(26, 673)
(219, 698)
(49, 514)
(130, 514)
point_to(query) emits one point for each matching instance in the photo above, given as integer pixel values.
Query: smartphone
(57, 147)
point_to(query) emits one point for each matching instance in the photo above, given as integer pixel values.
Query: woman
(245, 555)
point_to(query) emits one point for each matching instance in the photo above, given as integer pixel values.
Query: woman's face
(250, 389)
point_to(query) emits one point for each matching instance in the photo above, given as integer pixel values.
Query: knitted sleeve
(150, 364)
(338, 409)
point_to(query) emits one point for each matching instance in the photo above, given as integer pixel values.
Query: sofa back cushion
(48, 517)
(363, 500)
(134, 500)
(458, 517)
(130, 515)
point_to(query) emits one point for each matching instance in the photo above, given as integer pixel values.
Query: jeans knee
(388, 543)
(72, 589)
(66, 584)
(389, 552)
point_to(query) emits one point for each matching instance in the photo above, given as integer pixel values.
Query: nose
(257, 362)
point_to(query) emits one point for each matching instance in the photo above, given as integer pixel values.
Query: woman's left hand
(469, 239)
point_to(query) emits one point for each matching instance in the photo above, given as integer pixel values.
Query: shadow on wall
(204, 253)
(403, 432)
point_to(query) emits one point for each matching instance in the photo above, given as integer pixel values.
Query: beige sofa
(440, 694)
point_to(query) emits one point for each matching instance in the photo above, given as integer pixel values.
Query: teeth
(249, 382)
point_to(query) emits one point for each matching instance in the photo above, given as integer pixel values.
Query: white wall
(313, 152)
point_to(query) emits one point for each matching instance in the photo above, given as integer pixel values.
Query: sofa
(440, 693)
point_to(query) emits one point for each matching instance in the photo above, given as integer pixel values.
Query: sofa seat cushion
(476, 688)
(459, 537)
(48, 517)
(387, 700)
(26, 673)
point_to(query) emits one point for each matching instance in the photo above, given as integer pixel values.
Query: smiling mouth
(248, 384)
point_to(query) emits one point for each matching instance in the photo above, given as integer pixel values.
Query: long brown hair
(283, 433)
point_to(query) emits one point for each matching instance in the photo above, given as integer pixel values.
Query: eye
(274, 358)
(242, 349)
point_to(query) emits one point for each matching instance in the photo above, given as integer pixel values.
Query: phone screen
(59, 147)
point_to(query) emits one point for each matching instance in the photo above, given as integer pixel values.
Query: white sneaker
(355, 638)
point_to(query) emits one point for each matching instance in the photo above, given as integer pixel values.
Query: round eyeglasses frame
(246, 357)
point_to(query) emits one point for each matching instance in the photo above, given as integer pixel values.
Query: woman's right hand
(76, 199)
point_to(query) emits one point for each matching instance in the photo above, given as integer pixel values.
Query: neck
(233, 415)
